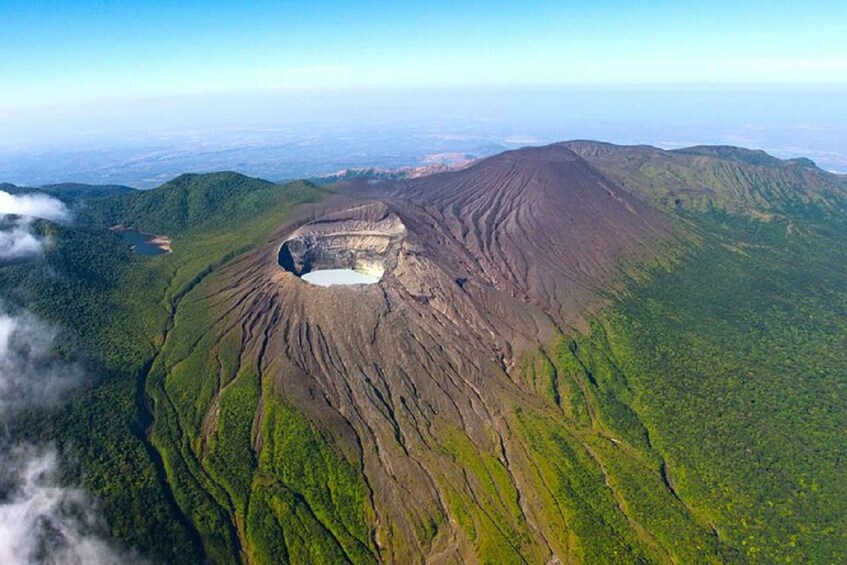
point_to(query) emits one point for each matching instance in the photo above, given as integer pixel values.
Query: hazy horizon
(291, 134)
(137, 93)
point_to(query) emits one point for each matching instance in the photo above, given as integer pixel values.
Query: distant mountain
(375, 174)
(728, 178)
(191, 201)
(749, 156)
(70, 191)
(578, 353)
(73, 190)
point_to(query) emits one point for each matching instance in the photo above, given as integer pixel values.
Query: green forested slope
(735, 364)
(213, 201)
(115, 307)
(730, 179)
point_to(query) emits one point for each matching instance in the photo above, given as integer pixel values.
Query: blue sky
(57, 53)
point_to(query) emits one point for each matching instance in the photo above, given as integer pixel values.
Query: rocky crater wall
(365, 239)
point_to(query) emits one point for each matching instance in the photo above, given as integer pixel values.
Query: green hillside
(735, 364)
(733, 179)
(116, 307)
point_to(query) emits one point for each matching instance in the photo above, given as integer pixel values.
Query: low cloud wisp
(41, 521)
(17, 240)
(35, 206)
(30, 372)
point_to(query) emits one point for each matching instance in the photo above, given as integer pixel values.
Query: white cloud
(34, 206)
(41, 522)
(18, 242)
(16, 238)
(30, 374)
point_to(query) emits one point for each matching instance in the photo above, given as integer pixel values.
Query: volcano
(479, 268)
(579, 353)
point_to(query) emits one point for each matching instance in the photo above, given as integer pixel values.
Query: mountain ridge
(729, 178)
(70, 191)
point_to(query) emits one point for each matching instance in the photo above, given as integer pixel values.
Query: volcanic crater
(363, 240)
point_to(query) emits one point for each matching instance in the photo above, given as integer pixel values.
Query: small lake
(329, 277)
(143, 243)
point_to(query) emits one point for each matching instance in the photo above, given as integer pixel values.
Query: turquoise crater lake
(330, 277)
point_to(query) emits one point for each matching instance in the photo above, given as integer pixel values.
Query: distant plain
(281, 135)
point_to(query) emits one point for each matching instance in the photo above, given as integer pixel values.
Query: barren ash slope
(492, 398)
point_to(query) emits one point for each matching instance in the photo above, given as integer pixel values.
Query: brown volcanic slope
(420, 381)
(539, 224)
